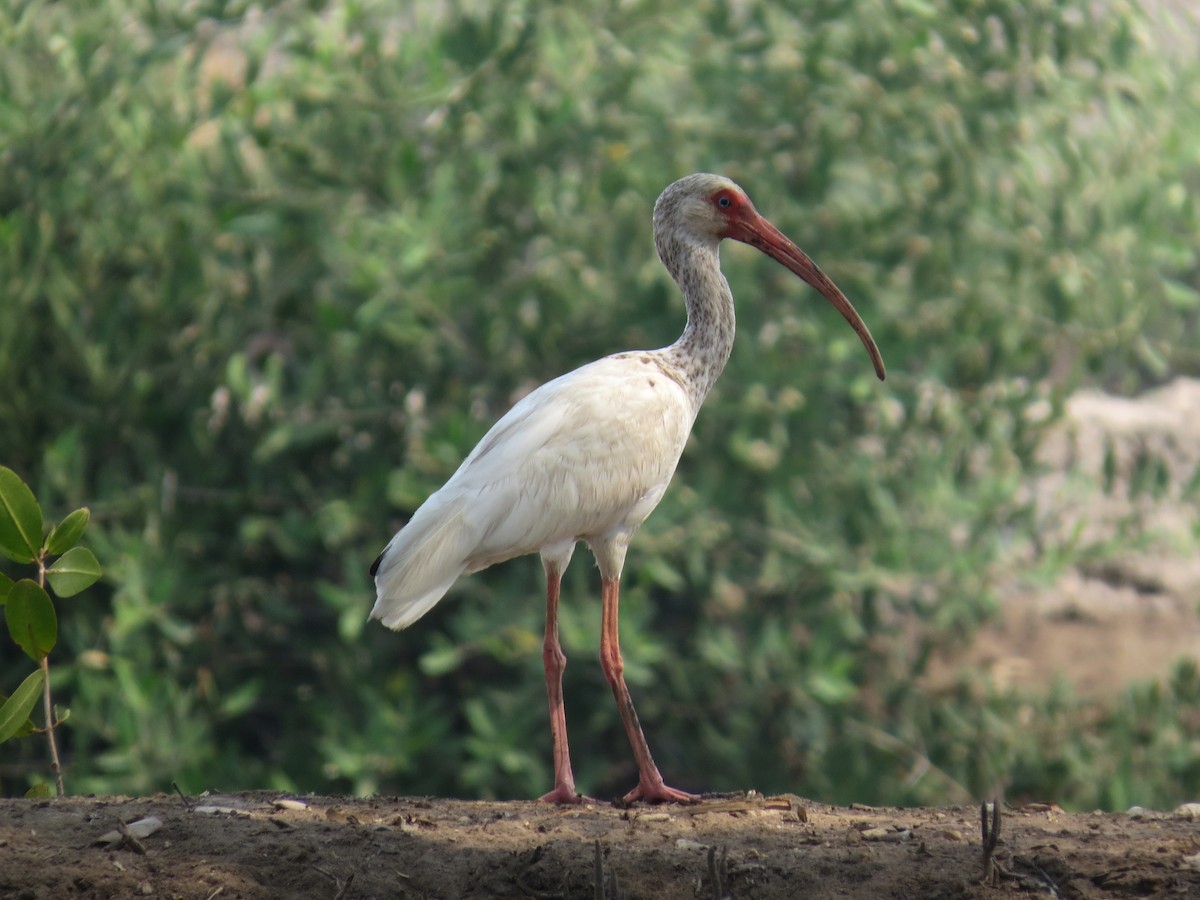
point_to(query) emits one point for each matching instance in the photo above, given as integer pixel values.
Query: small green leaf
(441, 660)
(31, 619)
(6, 584)
(41, 789)
(66, 534)
(831, 687)
(14, 714)
(241, 699)
(1181, 296)
(20, 518)
(73, 571)
(663, 573)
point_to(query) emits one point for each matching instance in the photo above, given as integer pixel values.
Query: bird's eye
(724, 202)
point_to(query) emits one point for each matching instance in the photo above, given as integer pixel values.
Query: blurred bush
(272, 269)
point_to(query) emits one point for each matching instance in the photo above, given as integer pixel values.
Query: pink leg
(650, 781)
(555, 662)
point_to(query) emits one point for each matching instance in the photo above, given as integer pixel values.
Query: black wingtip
(375, 565)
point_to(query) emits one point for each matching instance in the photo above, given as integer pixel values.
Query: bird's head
(701, 208)
(705, 209)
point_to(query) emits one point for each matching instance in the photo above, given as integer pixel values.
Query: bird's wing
(590, 452)
(586, 454)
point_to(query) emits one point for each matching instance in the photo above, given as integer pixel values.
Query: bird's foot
(653, 790)
(564, 795)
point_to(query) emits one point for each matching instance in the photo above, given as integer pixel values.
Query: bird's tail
(419, 565)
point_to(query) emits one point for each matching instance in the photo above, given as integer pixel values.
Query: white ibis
(587, 456)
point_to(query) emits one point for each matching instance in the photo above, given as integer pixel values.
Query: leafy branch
(28, 610)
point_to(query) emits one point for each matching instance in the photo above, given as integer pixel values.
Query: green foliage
(271, 272)
(28, 610)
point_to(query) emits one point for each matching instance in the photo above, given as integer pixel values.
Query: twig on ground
(605, 886)
(990, 837)
(598, 872)
(718, 874)
(182, 795)
(1043, 879)
(129, 839)
(614, 887)
(343, 887)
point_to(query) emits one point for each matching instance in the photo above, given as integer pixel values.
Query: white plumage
(558, 467)
(587, 457)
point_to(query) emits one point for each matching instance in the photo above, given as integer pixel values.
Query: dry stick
(129, 839)
(990, 838)
(614, 886)
(717, 874)
(604, 887)
(182, 796)
(342, 888)
(598, 870)
(1046, 878)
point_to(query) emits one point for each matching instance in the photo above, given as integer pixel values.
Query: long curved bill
(758, 232)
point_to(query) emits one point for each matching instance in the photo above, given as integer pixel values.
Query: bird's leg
(555, 662)
(650, 781)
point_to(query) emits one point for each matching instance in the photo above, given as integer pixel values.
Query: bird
(587, 457)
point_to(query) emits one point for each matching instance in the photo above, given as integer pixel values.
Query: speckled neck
(700, 354)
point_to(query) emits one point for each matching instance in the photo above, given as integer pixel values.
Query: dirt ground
(255, 846)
